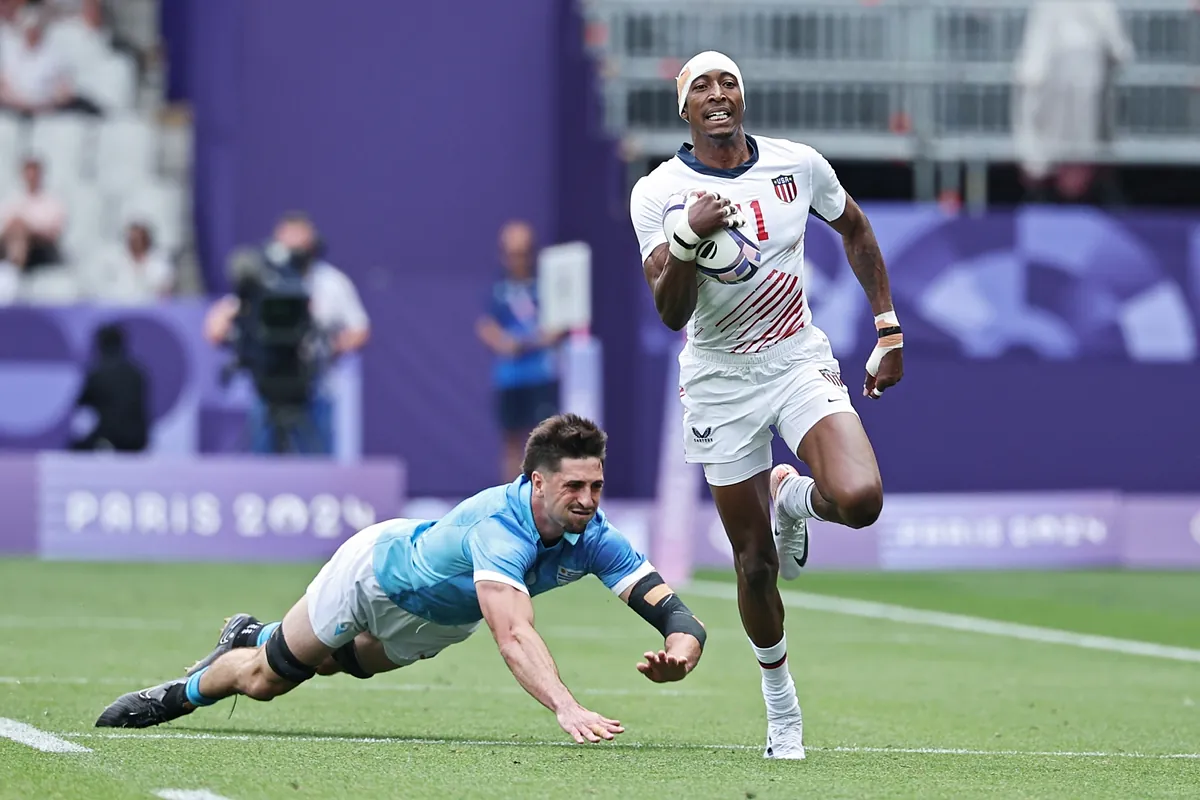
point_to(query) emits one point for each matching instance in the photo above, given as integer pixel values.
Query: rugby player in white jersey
(754, 359)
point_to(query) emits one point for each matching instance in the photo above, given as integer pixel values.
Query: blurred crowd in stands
(93, 172)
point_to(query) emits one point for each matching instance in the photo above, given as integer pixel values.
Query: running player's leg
(744, 508)
(726, 425)
(820, 425)
(745, 514)
(848, 488)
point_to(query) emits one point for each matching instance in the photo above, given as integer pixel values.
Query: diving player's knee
(859, 502)
(758, 566)
(260, 682)
(329, 666)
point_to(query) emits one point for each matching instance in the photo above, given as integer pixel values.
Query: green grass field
(892, 708)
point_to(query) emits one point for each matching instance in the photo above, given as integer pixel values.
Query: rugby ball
(727, 256)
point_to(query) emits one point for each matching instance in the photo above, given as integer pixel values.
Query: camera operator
(298, 312)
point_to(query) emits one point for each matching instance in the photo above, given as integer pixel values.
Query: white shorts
(730, 402)
(345, 599)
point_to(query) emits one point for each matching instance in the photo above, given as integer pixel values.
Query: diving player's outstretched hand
(709, 213)
(664, 667)
(587, 726)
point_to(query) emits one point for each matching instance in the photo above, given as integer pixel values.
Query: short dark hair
(559, 437)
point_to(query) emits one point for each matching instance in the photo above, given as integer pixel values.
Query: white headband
(702, 64)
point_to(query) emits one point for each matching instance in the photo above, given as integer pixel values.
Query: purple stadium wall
(1047, 350)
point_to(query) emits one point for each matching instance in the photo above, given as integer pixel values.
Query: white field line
(39, 740)
(188, 794)
(132, 684)
(400, 740)
(956, 622)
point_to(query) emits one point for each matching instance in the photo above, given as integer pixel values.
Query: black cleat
(233, 626)
(152, 706)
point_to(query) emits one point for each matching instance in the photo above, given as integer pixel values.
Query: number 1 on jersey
(758, 220)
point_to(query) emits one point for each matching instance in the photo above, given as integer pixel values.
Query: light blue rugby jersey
(429, 568)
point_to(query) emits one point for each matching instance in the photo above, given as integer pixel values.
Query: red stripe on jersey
(779, 301)
(772, 278)
(792, 323)
(747, 345)
(796, 322)
(796, 306)
(778, 290)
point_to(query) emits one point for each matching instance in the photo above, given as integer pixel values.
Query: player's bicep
(656, 263)
(499, 556)
(646, 211)
(829, 199)
(504, 608)
(851, 218)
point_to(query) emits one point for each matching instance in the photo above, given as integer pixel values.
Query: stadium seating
(108, 171)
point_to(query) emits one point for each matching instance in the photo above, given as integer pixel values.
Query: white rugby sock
(778, 688)
(795, 496)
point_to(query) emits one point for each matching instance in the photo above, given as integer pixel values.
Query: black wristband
(682, 243)
(889, 331)
(663, 609)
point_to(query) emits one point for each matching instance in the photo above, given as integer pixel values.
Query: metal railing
(887, 79)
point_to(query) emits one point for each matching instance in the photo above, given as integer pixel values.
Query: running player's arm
(833, 204)
(670, 265)
(629, 575)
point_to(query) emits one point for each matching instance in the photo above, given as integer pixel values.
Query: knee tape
(347, 658)
(283, 663)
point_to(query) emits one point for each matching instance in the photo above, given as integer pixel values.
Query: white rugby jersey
(775, 190)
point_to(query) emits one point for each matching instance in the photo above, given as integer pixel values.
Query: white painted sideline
(933, 751)
(30, 736)
(188, 794)
(955, 622)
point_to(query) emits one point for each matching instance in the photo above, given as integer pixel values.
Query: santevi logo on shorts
(702, 436)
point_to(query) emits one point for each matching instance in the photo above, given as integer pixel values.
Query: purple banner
(973, 531)
(235, 509)
(1162, 532)
(249, 509)
(18, 487)
(1035, 531)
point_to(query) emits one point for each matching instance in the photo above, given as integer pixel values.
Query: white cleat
(791, 533)
(785, 738)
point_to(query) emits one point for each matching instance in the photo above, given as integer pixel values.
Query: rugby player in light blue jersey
(404, 590)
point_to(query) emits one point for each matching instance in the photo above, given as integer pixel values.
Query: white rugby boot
(785, 737)
(791, 532)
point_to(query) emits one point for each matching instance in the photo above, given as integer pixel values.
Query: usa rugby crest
(785, 188)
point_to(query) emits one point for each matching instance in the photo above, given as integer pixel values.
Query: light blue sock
(193, 690)
(265, 633)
